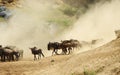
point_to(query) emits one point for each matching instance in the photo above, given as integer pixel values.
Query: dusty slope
(104, 60)
(26, 67)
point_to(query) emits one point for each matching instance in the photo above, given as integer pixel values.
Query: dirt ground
(27, 66)
(104, 60)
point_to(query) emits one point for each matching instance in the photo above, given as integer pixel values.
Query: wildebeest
(66, 46)
(1, 52)
(20, 51)
(55, 46)
(71, 43)
(36, 51)
(8, 54)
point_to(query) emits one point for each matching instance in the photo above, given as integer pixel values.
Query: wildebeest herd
(66, 46)
(11, 53)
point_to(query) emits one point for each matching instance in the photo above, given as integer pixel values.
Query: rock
(5, 13)
(52, 60)
(117, 32)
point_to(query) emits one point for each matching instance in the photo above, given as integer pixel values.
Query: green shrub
(64, 22)
(2, 19)
(89, 72)
(75, 73)
(68, 10)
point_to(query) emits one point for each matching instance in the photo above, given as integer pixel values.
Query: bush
(64, 22)
(89, 72)
(69, 10)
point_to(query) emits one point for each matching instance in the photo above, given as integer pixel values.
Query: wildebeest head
(49, 46)
(54, 45)
(33, 48)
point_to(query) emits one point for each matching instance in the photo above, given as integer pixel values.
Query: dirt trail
(103, 60)
(29, 66)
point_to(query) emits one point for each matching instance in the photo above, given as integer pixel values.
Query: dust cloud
(28, 26)
(99, 22)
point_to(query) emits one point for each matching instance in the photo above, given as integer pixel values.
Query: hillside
(8, 3)
(103, 60)
(38, 22)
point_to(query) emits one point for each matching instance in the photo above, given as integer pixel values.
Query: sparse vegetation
(76, 73)
(89, 72)
(1, 18)
(68, 10)
(86, 72)
(82, 3)
(78, 7)
(65, 22)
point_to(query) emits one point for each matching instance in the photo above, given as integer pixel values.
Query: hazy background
(31, 26)
(99, 22)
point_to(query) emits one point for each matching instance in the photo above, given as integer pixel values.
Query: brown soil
(104, 60)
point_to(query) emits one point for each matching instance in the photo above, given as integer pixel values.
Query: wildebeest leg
(8, 58)
(69, 49)
(64, 50)
(56, 52)
(53, 52)
(12, 57)
(39, 56)
(42, 54)
(17, 55)
(34, 57)
(2, 57)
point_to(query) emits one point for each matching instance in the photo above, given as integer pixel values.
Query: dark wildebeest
(75, 43)
(1, 52)
(10, 54)
(18, 50)
(35, 52)
(71, 43)
(55, 46)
